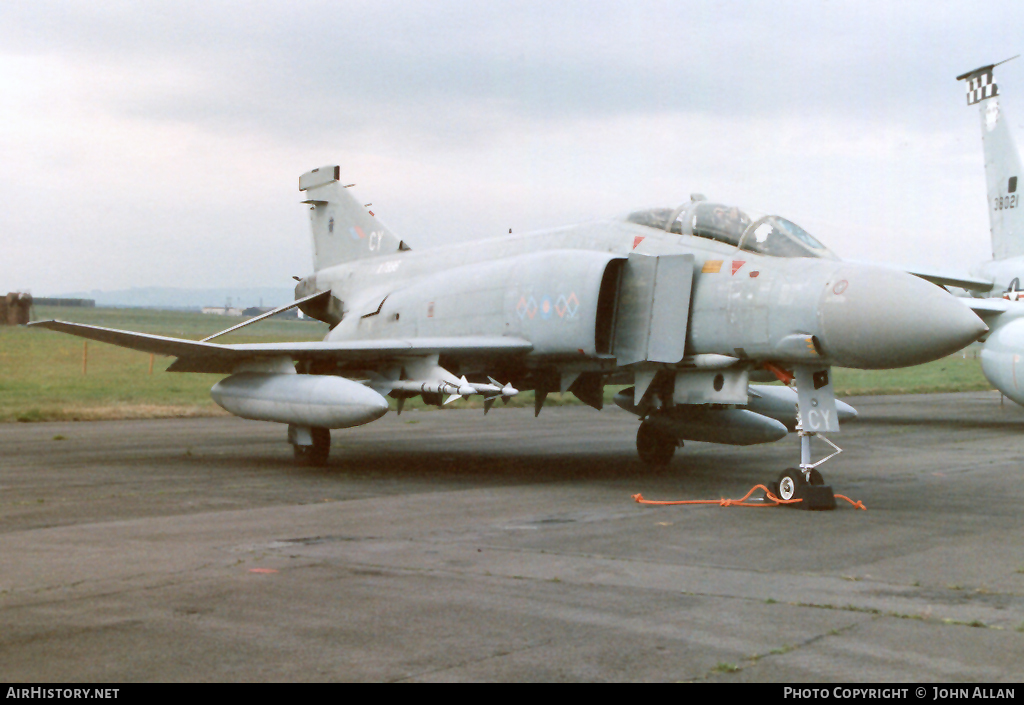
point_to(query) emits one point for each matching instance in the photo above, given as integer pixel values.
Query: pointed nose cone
(874, 318)
(845, 411)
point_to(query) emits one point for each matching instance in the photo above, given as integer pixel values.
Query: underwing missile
(460, 388)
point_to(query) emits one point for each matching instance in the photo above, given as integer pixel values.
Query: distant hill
(173, 298)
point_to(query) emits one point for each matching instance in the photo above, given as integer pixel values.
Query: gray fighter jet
(1003, 351)
(1002, 167)
(686, 304)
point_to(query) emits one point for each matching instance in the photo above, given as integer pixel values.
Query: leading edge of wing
(193, 355)
(143, 342)
(367, 349)
(988, 309)
(947, 279)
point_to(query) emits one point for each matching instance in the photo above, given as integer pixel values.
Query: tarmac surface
(449, 546)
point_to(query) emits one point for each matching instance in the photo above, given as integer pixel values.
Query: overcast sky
(160, 143)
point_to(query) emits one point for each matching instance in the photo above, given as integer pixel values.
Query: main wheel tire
(656, 447)
(316, 454)
(816, 478)
(790, 481)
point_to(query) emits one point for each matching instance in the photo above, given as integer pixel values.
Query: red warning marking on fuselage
(262, 570)
(736, 264)
(637, 240)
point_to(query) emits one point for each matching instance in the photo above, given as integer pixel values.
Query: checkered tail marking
(981, 86)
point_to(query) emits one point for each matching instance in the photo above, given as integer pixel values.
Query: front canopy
(769, 235)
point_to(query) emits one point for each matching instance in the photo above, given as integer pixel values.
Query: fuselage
(1004, 274)
(547, 287)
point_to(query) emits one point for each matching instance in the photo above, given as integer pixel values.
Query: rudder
(343, 229)
(1002, 165)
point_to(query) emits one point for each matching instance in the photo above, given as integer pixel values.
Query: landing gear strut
(314, 454)
(655, 446)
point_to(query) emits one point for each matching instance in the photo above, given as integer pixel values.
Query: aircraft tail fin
(1002, 165)
(343, 228)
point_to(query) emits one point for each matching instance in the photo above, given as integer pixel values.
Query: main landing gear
(655, 446)
(311, 445)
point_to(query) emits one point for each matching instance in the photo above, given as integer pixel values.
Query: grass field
(41, 375)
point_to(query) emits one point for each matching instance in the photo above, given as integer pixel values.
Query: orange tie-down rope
(775, 501)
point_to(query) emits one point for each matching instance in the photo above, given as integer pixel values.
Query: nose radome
(875, 318)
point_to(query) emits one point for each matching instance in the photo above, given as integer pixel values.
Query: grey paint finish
(321, 401)
(1002, 353)
(343, 230)
(780, 403)
(878, 318)
(784, 295)
(1003, 348)
(654, 307)
(531, 308)
(816, 401)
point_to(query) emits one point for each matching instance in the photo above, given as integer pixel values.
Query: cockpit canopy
(769, 235)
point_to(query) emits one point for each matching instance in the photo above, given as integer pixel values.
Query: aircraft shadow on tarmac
(953, 421)
(454, 466)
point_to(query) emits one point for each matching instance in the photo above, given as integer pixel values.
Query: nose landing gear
(806, 483)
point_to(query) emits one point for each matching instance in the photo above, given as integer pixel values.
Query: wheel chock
(815, 497)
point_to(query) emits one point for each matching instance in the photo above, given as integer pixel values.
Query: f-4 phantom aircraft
(687, 304)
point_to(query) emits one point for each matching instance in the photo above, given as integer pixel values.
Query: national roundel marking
(546, 307)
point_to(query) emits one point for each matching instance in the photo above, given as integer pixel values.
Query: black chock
(815, 497)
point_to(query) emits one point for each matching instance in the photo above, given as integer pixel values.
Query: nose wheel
(792, 482)
(806, 483)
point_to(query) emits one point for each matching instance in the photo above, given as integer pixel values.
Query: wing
(143, 342)
(945, 279)
(197, 356)
(987, 309)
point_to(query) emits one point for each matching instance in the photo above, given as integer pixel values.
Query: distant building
(222, 310)
(49, 301)
(15, 309)
(260, 310)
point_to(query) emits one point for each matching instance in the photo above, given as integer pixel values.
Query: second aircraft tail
(1002, 165)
